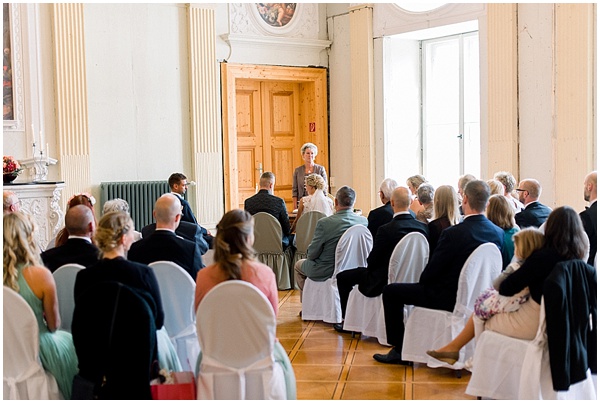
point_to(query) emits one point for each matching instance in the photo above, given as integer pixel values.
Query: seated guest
(589, 216)
(266, 202)
(234, 260)
(438, 284)
(114, 236)
(462, 182)
(11, 202)
(179, 185)
(24, 273)
(496, 187)
(187, 230)
(83, 198)
(509, 182)
(445, 214)
(384, 214)
(119, 205)
(535, 213)
(320, 261)
(164, 244)
(80, 224)
(500, 212)
(374, 277)
(316, 199)
(413, 184)
(425, 197)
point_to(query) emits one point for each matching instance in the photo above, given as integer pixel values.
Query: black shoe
(339, 327)
(393, 357)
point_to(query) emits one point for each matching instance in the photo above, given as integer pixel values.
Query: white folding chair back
(24, 376)
(431, 328)
(364, 314)
(64, 277)
(321, 299)
(177, 293)
(267, 243)
(305, 230)
(236, 329)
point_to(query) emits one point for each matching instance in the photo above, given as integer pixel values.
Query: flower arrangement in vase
(10, 168)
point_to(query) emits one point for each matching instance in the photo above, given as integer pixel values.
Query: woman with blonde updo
(24, 273)
(316, 199)
(234, 260)
(114, 235)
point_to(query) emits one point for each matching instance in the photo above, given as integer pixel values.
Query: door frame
(313, 108)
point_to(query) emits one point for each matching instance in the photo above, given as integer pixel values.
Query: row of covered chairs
(267, 243)
(237, 353)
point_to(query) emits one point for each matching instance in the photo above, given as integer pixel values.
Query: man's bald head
(400, 199)
(167, 211)
(79, 221)
(11, 201)
(590, 190)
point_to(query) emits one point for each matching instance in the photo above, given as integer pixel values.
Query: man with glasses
(535, 213)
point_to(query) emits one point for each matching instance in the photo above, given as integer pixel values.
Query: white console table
(42, 201)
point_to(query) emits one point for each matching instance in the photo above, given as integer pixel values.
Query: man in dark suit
(382, 215)
(535, 213)
(589, 216)
(178, 184)
(374, 277)
(438, 284)
(192, 232)
(264, 201)
(80, 223)
(164, 244)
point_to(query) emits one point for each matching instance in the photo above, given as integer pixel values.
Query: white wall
(340, 98)
(137, 91)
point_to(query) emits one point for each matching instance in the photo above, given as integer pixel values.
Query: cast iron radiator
(141, 197)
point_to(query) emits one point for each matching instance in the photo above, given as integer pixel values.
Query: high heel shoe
(448, 357)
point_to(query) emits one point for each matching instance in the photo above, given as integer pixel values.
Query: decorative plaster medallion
(249, 19)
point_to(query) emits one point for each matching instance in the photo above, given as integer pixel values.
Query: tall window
(450, 107)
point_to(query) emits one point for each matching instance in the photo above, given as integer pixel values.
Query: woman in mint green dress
(24, 273)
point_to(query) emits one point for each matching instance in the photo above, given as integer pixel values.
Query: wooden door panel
(249, 138)
(280, 127)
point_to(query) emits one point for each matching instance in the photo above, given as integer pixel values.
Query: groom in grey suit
(320, 261)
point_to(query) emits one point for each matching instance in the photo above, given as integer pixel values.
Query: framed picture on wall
(276, 14)
(12, 103)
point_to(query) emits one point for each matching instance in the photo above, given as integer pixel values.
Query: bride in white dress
(316, 199)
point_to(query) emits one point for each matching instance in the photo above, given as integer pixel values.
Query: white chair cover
(305, 230)
(236, 329)
(24, 376)
(177, 293)
(64, 277)
(428, 329)
(267, 243)
(364, 314)
(321, 299)
(509, 369)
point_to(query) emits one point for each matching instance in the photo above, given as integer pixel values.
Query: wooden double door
(266, 123)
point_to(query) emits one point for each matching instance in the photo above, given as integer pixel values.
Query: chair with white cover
(430, 328)
(24, 376)
(177, 293)
(305, 230)
(509, 368)
(364, 314)
(267, 243)
(321, 299)
(64, 277)
(237, 339)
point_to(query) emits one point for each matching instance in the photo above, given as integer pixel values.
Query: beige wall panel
(502, 90)
(574, 100)
(71, 98)
(363, 109)
(207, 196)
